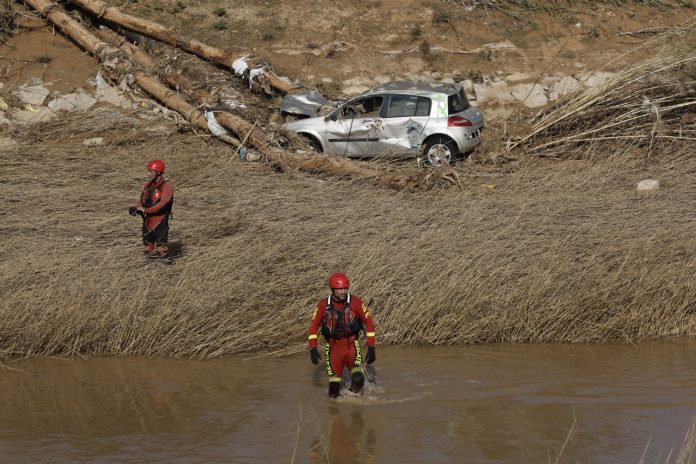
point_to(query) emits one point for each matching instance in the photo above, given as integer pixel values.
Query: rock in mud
(565, 86)
(648, 185)
(530, 95)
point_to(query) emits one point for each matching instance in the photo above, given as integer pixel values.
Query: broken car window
(457, 102)
(367, 107)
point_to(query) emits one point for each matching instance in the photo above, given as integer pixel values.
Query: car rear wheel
(439, 151)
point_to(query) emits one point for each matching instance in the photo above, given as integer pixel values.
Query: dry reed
(645, 102)
(540, 252)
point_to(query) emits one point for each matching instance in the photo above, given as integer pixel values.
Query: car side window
(406, 106)
(367, 107)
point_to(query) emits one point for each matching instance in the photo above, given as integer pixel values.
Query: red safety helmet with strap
(339, 280)
(156, 165)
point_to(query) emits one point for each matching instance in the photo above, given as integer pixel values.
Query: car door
(405, 118)
(355, 129)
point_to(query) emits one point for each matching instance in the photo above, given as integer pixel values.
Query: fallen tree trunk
(135, 54)
(309, 162)
(73, 29)
(173, 38)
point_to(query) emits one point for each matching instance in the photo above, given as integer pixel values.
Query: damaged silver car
(398, 119)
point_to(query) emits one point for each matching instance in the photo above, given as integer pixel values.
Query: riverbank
(540, 236)
(541, 251)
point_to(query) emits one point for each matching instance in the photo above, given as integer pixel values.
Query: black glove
(371, 356)
(132, 210)
(314, 355)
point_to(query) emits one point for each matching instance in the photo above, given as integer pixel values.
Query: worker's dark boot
(357, 380)
(334, 388)
(163, 251)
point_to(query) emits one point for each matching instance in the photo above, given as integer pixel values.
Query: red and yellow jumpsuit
(340, 324)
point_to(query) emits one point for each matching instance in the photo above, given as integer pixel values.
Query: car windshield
(457, 103)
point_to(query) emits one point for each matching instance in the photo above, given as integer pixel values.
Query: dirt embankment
(527, 250)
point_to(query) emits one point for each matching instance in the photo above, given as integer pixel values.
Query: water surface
(480, 404)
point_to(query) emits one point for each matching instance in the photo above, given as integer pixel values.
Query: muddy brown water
(482, 404)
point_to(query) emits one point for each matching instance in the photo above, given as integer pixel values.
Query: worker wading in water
(340, 317)
(155, 205)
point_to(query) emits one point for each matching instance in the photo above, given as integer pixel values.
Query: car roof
(416, 87)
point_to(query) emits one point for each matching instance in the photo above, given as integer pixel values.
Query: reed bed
(540, 251)
(653, 100)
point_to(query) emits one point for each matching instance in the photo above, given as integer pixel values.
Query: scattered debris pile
(126, 67)
(641, 104)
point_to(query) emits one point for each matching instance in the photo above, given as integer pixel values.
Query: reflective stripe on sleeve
(370, 334)
(312, 337)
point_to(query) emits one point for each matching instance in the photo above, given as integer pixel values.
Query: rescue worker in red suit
(340, 317)
(155, 205)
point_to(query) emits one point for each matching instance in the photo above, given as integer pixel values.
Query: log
(309, 162)
(73, 29)
(135, 54)
(171, 37)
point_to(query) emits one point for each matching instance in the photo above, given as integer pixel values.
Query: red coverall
(156, 200)
(340, 323)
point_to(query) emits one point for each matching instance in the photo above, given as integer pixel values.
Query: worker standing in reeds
(155, 205)
(340, 317)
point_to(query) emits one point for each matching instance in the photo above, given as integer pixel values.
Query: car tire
(314, 145)
(439, 151)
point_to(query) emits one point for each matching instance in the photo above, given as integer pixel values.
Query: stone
(355, 90)
(517, 77)
(32, 95)
(567, 85)
(468, 86)
(3, 119)
(648, 185)
(358, 81)
(493, 92)
(593, 79)
(530, 95)
(72, 102)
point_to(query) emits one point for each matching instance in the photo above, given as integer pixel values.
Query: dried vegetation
(533, 250)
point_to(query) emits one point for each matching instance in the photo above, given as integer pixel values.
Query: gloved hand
(133, 211)
(314, 355)
(371, 356)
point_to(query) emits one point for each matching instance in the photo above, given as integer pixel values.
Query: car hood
(307, 123)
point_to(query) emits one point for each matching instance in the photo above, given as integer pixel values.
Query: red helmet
(339, 280)
(156, 165)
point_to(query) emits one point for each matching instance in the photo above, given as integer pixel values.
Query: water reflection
(347, 439)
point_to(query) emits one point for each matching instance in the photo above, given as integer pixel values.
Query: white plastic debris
(648, 184)
(254, 73)
(100, 82)
(33, 94)
(213, 126)
(240, 65)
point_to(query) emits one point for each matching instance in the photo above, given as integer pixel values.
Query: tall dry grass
(540, 251)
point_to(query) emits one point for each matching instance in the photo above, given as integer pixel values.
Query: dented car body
(398, 119)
